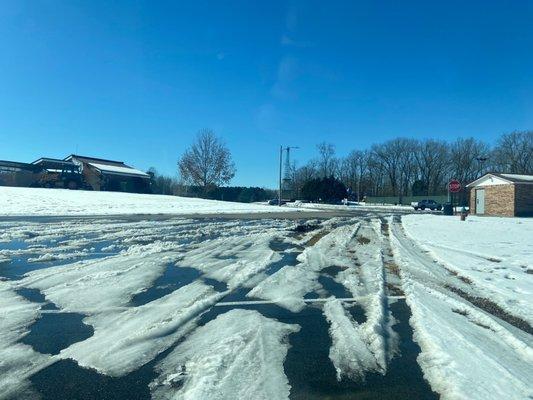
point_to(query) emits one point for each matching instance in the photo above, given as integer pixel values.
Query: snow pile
(493, 254)
(349, 353)
(239, 355)
(17, 361)
(32, 201)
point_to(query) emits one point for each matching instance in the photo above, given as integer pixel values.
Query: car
(275, 202)
(426, 203)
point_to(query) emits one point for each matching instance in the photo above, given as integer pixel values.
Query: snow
(15, 201)
(288, 286)
(465, 352)
(467, 356)
(126, 339)
(93, 286)
(528, 178)
(366, 282)
(18, 361)
(233, 259)
(349, 353)
(351, 206)
(119, 170)
(239, 355)
(493, 253)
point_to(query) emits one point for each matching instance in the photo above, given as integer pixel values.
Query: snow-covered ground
(223, 308)
(34, 201)
(494, 254)
(469, 290)
(350, 206)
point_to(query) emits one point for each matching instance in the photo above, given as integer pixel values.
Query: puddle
(334, 288)
(53, 332)
(217, 285)
(173, 278)
(333, 270)
(66, 380)
(35, 296)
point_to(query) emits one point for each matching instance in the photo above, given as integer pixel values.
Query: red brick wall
(524, 200)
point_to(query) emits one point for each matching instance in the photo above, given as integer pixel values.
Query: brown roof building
(508, 195)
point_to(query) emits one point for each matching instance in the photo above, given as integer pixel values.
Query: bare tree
(464, 159)
(353, 167)
(514, 153)
(207, 162)
(432, 158)
(327, 163)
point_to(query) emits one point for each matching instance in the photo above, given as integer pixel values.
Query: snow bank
(17, 361)
(465, 352)
(239, 355)
(33, 201)
(494, 254)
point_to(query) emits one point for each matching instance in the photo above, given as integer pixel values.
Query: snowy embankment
(494, 255)
(350, 206)
(467, 351)
(16, 201)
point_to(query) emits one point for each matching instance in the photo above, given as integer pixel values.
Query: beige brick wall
(524, 199)
(499, 200)
(472, 201)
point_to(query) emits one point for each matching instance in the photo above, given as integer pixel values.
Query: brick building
(507, 195)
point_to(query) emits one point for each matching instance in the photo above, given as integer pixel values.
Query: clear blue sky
(135, 80)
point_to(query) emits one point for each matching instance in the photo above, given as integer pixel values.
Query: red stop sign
(454, 186)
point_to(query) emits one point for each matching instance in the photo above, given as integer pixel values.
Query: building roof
(94, 159)
(55, 161)
(503, 178)
(119, 170)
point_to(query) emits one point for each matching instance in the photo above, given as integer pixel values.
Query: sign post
(454, 186)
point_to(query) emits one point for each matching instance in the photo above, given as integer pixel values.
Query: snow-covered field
(34, 201)
(256, 309)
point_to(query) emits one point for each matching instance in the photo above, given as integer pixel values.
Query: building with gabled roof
(502, 194)
(102, 174)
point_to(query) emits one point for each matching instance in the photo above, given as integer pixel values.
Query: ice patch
(239, 355)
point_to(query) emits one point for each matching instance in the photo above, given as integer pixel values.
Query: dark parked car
(423, 204)
(275, 202)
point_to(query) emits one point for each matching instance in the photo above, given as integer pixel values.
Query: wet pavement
(308, 367)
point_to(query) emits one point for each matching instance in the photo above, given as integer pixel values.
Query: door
(480, 201)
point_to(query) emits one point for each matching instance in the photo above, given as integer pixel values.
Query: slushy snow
(238, 355)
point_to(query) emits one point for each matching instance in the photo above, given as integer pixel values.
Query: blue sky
(135, 80)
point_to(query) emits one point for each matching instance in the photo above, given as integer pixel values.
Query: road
(318, 305)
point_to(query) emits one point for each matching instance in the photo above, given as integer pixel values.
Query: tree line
(402, 166)
(398, 167)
